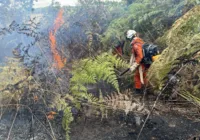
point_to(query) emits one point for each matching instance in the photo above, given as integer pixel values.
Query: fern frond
(93, 70)
(77, 87)
(125, 102)
(67, 119)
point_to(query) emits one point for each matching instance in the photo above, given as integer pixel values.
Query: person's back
(137, 49)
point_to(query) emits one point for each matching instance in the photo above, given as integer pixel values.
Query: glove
(134, 66)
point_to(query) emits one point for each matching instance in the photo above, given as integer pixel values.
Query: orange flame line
(59, 62)
(59, 20)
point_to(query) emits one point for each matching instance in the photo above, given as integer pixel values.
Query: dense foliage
(84, 39)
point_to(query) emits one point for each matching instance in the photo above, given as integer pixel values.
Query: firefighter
(118, 48)
(136, 64)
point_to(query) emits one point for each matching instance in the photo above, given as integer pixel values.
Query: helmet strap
(132, 37)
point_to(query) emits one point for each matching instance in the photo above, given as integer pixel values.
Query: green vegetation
(89, 32)
(13, 80)
(93, 70)
(182, 43)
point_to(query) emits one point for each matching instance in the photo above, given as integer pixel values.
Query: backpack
(149, 50)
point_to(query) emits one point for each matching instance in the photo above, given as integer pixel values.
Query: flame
(58, 61)
(50, 115)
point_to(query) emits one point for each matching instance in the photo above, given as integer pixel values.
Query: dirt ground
(164, 125)
(120, 127)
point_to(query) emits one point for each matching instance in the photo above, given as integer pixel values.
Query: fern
(126, 102)
(150, 18)
(67, 119)
(85, 72)
(93, 70)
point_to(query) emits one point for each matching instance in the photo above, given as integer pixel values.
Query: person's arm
(138, 57)
(139, 53)
(132, 59)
